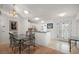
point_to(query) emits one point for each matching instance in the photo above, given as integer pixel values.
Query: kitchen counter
(43, 38)
(42, 31)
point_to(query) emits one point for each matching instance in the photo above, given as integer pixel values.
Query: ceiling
(44, 11)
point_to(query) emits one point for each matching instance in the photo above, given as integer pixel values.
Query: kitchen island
(43, 38)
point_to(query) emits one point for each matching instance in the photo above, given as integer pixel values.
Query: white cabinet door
(4, 31)
(0, 32)
(42, 38)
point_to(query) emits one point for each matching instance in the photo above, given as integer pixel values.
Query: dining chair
(30, 42)
(14, 43)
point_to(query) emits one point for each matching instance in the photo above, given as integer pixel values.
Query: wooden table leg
(29, 49)
(75, 43)
(69, 45)
(20, 47)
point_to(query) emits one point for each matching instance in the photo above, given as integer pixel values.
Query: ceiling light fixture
(62, 14)
(13, 12)
(36, 18)
(42, 21)
(26, 12)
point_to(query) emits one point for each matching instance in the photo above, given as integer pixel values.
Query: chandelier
(13, 12)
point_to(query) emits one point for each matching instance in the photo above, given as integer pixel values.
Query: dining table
(70, 42)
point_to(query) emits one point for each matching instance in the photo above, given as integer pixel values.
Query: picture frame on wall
(13, 25)
(50, 26)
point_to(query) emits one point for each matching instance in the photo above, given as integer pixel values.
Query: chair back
(13, 40)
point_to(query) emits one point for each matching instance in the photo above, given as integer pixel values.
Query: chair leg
(34, 45)
(16, 50)
(28, 49)
(12, 49)
(76, 44)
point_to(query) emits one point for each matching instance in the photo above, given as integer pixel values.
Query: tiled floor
(63, 46)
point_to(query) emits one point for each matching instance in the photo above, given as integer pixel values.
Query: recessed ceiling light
(26, 12)
(42, 21)
(36, 18)
(62, 14)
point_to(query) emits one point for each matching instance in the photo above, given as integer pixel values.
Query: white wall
(77, 28)
(4, 27)
(39, 27)
(76, 25)
(53, 30)
(22, 26)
